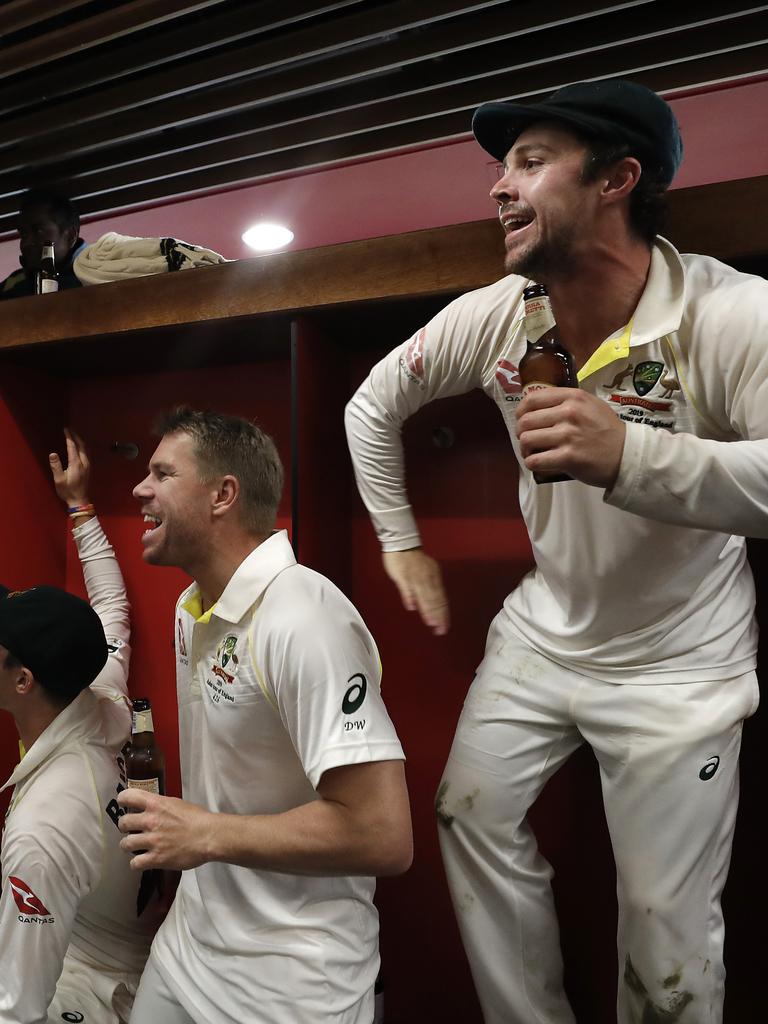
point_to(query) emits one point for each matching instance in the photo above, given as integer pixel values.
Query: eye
(532, 163)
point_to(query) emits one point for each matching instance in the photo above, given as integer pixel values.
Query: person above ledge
(44, 216)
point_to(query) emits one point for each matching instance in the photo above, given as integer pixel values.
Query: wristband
(81, 510)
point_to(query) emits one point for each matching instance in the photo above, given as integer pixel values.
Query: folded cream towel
(116, 257)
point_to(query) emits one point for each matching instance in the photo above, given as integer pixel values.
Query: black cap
(56, 635)
(4, 591)
(611, 111)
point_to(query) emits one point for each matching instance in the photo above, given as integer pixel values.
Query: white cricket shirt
(67, 887)
(277, 683)
(648, 583)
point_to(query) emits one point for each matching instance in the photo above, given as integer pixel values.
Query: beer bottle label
(148, 785)
(538, 318)
(536, 385)
(48, 285)
(142, 721)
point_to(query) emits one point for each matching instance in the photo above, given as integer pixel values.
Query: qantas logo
(414, 357)
(412, 362)
(508, 375)
(26, 900)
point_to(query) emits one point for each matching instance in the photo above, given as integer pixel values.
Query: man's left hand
(164, 832)
(565, 430)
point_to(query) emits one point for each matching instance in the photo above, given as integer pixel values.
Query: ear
(226, 496)
(622, 178)
(25, 682)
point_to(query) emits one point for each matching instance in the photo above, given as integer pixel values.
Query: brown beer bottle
(47, 279)
(144, 760)
(145, 769)
(546, 364)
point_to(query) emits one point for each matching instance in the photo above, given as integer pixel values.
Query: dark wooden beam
(88, 32)
(721, 219)
(18, 14)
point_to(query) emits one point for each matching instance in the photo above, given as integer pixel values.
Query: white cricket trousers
(155, 1003)
(87, 993)
(668, 758)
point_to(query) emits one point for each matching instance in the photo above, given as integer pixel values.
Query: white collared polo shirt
(277, 683)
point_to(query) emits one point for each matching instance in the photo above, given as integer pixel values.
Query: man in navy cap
(635, 631)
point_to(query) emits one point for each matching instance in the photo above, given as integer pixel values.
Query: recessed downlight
(265, 237)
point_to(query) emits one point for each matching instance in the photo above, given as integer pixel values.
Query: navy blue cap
(610, 111)
(56, 635)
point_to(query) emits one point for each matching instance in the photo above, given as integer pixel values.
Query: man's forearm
(696, 482)
(319, 838)
(103, 579)
(359, 825)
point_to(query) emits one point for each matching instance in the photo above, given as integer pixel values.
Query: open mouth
(152, 523)
(514, 222)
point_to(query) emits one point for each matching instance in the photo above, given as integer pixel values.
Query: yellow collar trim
(194, 605)
(609, 352)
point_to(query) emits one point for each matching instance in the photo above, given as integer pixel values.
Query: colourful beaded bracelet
(81, 510)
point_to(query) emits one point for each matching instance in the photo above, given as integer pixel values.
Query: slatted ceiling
(131, 104)
(387, 98)
(20, 14)
(223, 26)
(85, 32)
(292, 50)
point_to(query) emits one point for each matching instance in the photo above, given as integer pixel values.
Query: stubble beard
(546, 259)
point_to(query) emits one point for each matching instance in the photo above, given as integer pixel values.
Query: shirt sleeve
(38, 904)
(719, 482)
(444, 358)
(326, 676)
(106, 593)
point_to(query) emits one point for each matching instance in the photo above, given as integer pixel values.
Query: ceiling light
(267, 237)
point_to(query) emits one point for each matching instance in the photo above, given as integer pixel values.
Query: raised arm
(101, 572)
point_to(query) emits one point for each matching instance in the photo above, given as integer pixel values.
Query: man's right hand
(420, 582)
(71, 483)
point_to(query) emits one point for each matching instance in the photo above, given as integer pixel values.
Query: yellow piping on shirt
(259, 677)
(687, 391)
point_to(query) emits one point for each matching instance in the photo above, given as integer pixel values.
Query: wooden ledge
(441, 260)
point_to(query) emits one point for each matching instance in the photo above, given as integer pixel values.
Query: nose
(142, 491)
(504, 189)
